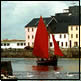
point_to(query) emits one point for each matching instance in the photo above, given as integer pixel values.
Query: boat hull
(47, 63)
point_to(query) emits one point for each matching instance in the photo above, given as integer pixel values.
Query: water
(26, 68)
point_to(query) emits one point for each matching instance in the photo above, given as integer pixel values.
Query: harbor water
(26, 68)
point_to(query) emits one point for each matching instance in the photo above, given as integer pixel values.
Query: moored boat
(41, 46)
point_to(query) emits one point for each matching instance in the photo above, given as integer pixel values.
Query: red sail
(57, 50)
(41, 40)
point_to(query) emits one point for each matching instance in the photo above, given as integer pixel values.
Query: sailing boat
(41, 46)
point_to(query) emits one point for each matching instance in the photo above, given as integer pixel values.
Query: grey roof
(61, 28)
(64, 22)
(68, 19)
(35, 21)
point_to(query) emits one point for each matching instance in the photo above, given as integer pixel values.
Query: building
(71, 11)
(17, 44)
(57, 25)
(61, 38)
(73, 31)
(61, 35)
(31, 28)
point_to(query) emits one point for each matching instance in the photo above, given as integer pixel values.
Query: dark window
(50, 44)
(76, 28)
(61, 43)
(66, 43)
(71, 28)
(60, 36)
(17, 44)
(8, 44)
(70, 43)
(21, 44)
(28, 29)
(32, 29)
(64, 36)
(75, 43)
(76, 35)
(32, 36)
(28, 44)
(71, 35)
(58, 42)
(24, 43)
(4, 44)
(28, 36)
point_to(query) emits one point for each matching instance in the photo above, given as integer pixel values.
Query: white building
(30, 35)
(61, 36)
(17, 44)
(31, 28)
(74, 35)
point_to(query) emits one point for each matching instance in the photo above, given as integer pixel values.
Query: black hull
(47, 63)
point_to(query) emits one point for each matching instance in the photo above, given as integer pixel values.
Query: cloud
(16, 14)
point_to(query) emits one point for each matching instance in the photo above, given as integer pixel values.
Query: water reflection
(46, 68)
(40, 68)
(28, 69)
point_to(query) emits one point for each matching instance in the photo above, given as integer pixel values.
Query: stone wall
(24, 53)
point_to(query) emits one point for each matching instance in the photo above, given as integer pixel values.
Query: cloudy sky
(16, 14)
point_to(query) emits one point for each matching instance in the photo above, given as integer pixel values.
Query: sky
(16, 14)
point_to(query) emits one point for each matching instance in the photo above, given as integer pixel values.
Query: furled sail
(57, 50)
(41, 40)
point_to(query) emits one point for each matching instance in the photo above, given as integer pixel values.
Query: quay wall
(27, 53)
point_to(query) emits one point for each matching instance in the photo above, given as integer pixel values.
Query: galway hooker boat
(41, 46)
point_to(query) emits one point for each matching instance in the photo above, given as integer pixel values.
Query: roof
(68, 19)
(64, 21)
(13, 40)
(35, 21)
(61, 28)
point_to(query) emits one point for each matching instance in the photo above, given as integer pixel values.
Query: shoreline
(22, 53)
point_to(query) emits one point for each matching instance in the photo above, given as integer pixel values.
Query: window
(50, 44)
(60, 36)
(71, 28)
(61, 43)
(32, 36)
(21, 44)
(32, 29)
(76, 28)
(66, 44)
(58, 42)
(70, 42)
(64, 36)
(75, 43)
(4, 44)
(28, 44)
(28, 36)
(76, 35)
(24, 43)
(28, 29)
(17, 44)
(71, 35)
(8, 44)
